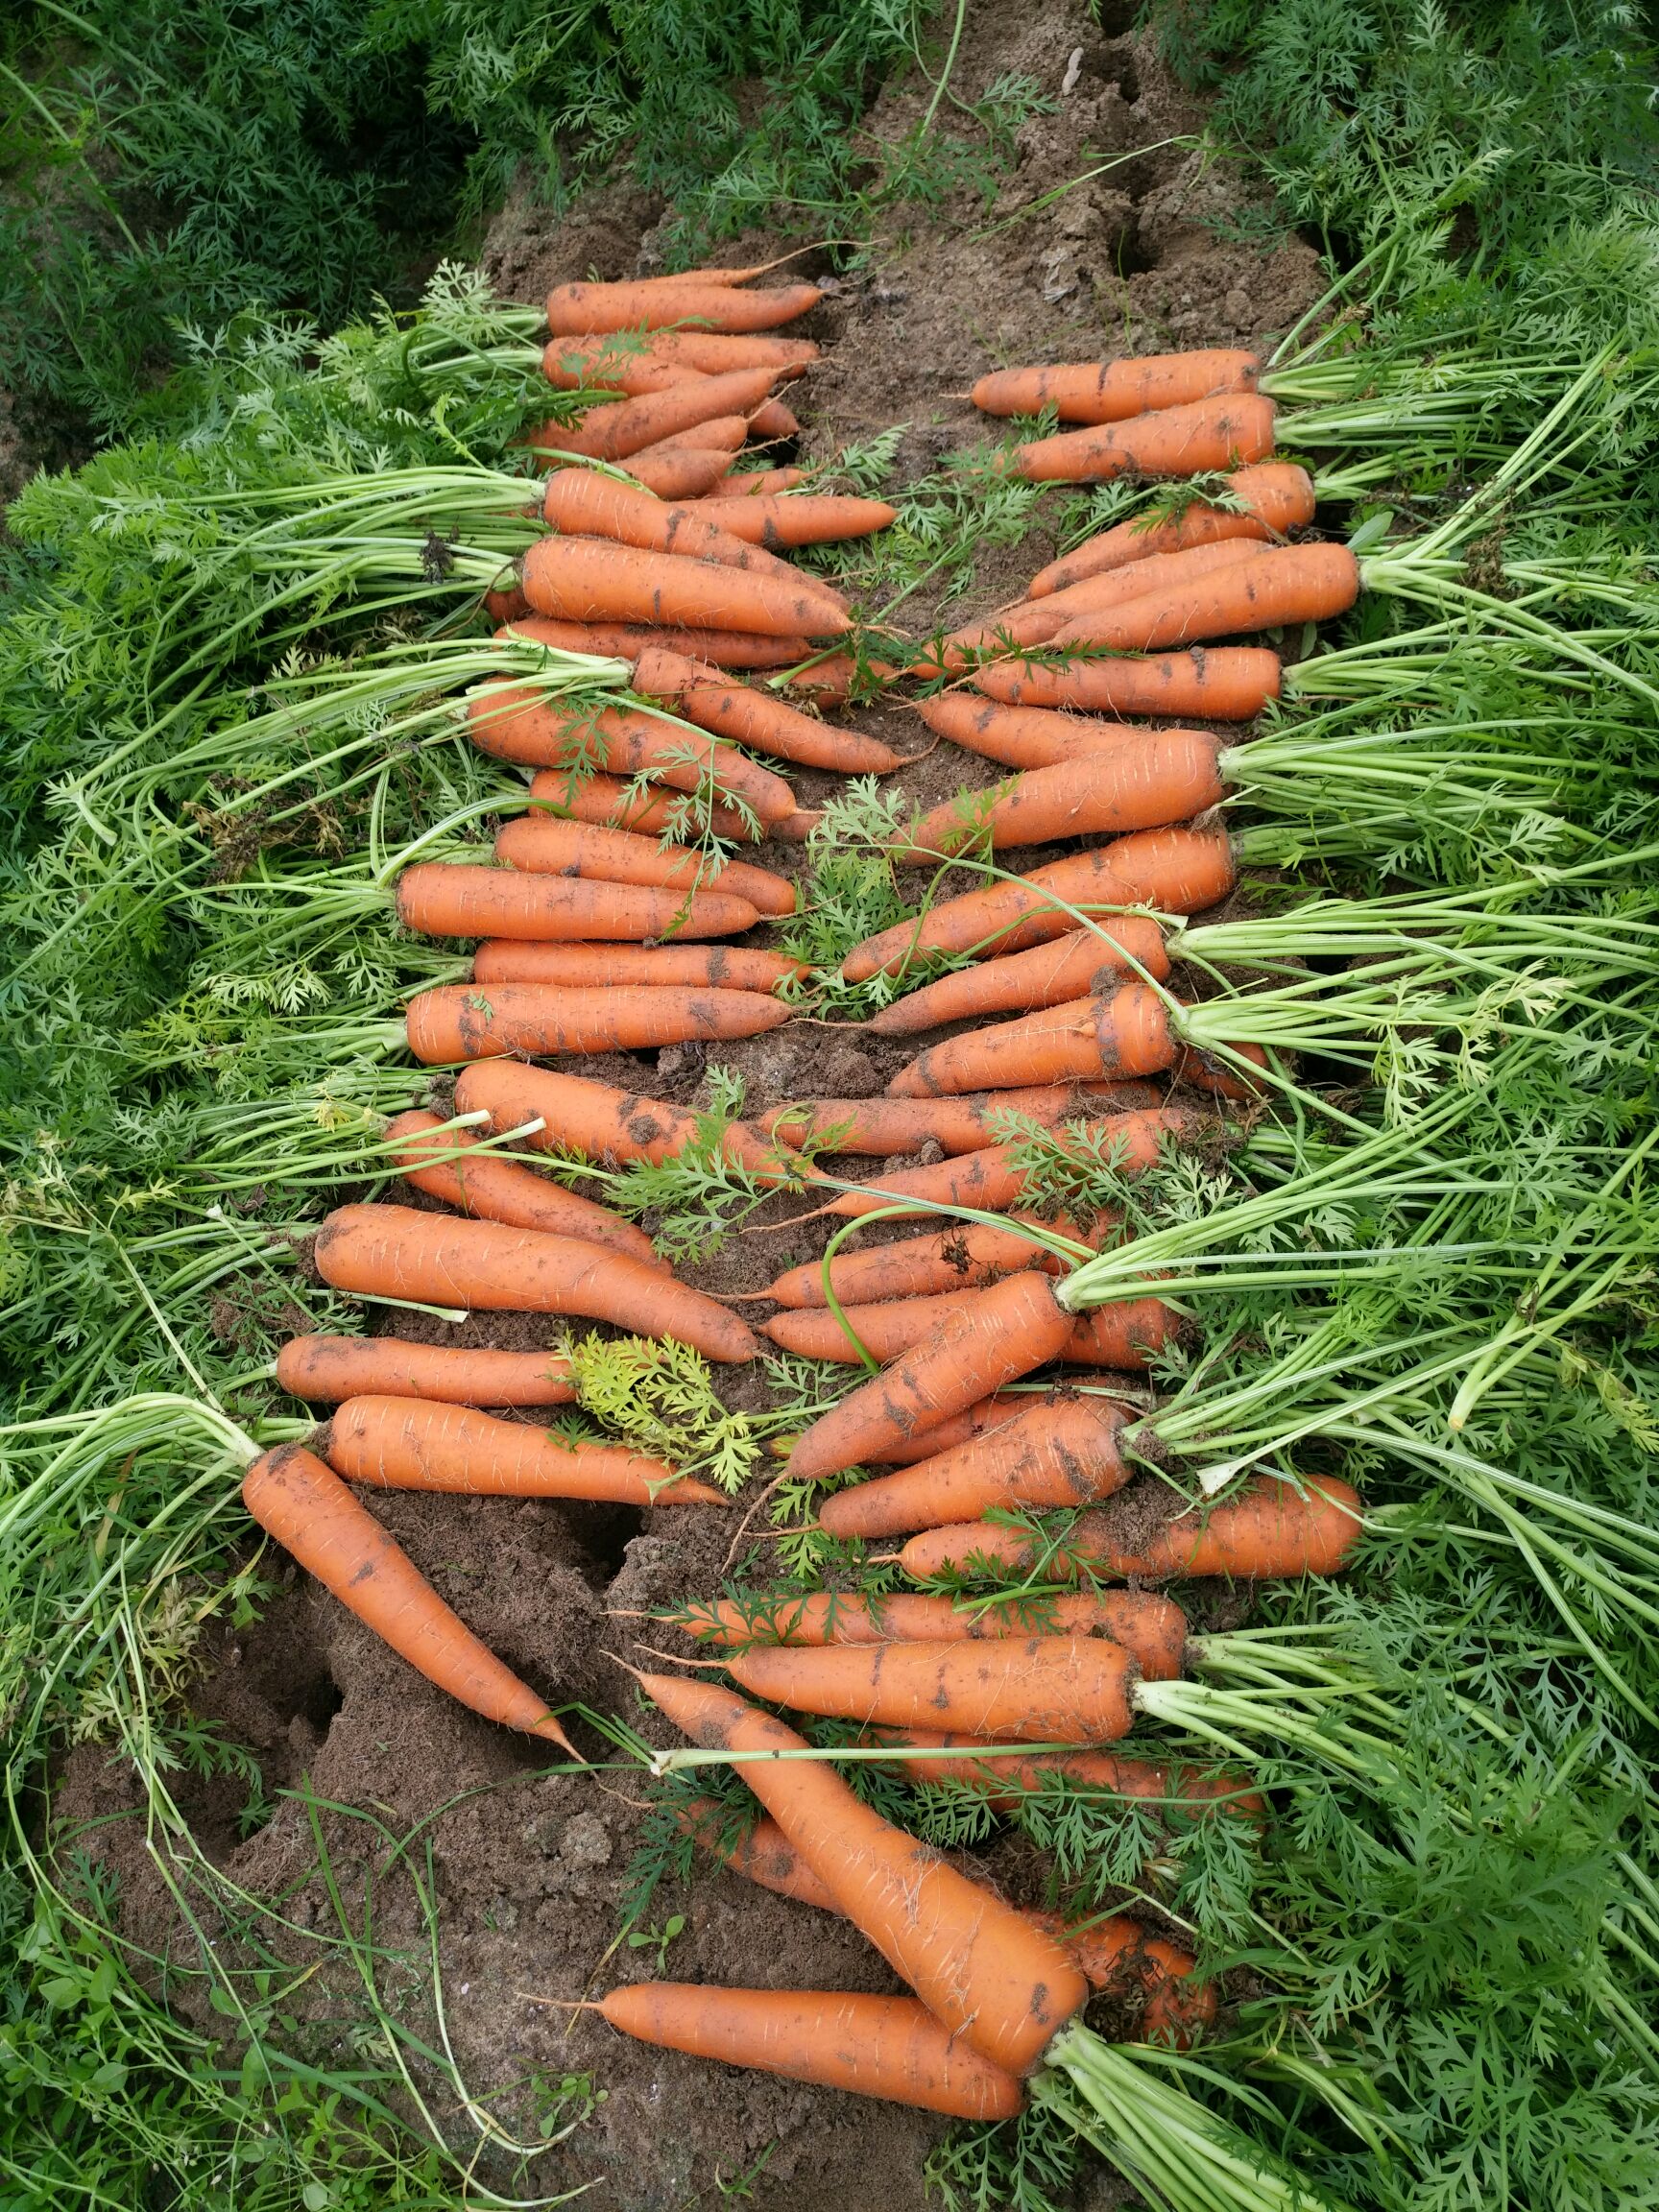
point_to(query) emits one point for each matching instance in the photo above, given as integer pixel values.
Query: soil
(529, 1869)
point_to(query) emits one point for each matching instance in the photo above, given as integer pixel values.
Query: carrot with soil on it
(802, 519)
(447, 1162)
(1038, 622)
(1124, 1334)
(323, 1370)
(968, 1256)
(1283, 585)
(576, 309)
(1084, 964)
(886, 1126)
(611, 431)
(583, 361)
(1029, 1688)
(1132, 1030)
(627, 640)
(648, 809)
(444, 899)
(542, 844)
(312, 1514)
(725, 966)
(1020, 737)
(1004, 1777)
(412, 1444)
(758, 483)
(774, 422)
(720, 434)
(594, 580)
(1204, 436)
(1267, 502)
(762, 1854)
(599, 1120)
(1167, 776)
(758, 719)
(585, 503)
(1219, 684)
(1114, 391)
(678, 472)
(456, 1022)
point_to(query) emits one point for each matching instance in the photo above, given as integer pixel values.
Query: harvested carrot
(720, 434)
(977, 1420)
(1030, 1689)
(1061, 1452)
(311, 1513)
(1274, 498)
(586, 360)
(678, 472)
(1040, 621)
(1151, 1629)
(583, 502)
(591, 580)
(1005, 1777)
(1268, 1530)
(1000, 1985)
(1112, 391)
(763, 1855)
(1127, 1961)
(579, 308)
(756, 719)
(882, 1127)
(968, 1256)
(992, 1177)
(1188, 441)
(1177, 871)
(596, 1120)
(722, 967)
(1282, 584)
(326, 1369)
(440, 898)
(1018, 737)
(1127, 1031)
(1080, 965)
(611, 803)
(437, 1260)
(756, 483)
(457, 1021)
(624, 426)
(887, 2047)
(594, 366)
(1124, 1334)
(1008, 1331)
(411, 1444)
(491, 1189)
(627, 640)
(544, 845)
(773, 420)
(506, 606)
(1169, 776)
(805, 519)
(1230, 684)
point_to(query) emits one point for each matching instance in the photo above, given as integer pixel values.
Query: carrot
(1039, 622)
(1186, 441)
(882, 1127)
(612, 431)
(1127, 1962)
(1169, 776)
(1000, 1986)
(544, 845)
(720, 434)
(1031, 1689)
(579, 308)
(459, 1022)
(1127, 1031)
(1275, 499)
(583, 502)
(491, 1188)
(1061, 1452)
(758, 719)
(1018, 737)
(1267, 1530)
(992, 1178)
(1152, 1629)
(1005, 1777)
(773, 420)
(311, 1513)
(805, 519)
(1124, 1334)
(326, 1369)
(627, 640)
(439, 898)
(1178, 870)
(887, 2047)
(437, 1260)
(409, 1444)
(591, 580)
(1230, 684)
(1006, 1332)
(1112, 391)
(754, 483)
(725, 966)
(596, 1120)
(506, 606)
(586, 360)
(678, 472)
(968, 1256)
(591, 366)
(764, 1855)
(1283, 585)
(977, 1420)
(1079, 964)
(611, 804)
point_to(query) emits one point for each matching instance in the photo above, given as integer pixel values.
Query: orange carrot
(992, 1178)
(591, 580)
(1282, 585)
(1008, 1331)
(805, 519)
(1114, 391)
(1186, 441)
(756, 719)
(1127, 1031)
(611, 803)
(1267, 1530)
(591, 367)
(773, 420)
(437, 1260)
(1230, 684)
(596, 1120)
(887, 2047)
(882, 1127)
(491, 1189)
(1005, 1777)
(977, 1420)
(968, 1256)
(1082, 964)
(544, 845)
(1018, 737)
(1004, 1988)
(410, 1444)
(723, 966)
(1276, 497)
(459, 1022)
(587, 360)
(1061, 1452)
(1124, 1334)
(579, 308)
(439, 898)
(678, 472)
(311, 1513)
(506, 606)
(1169, 776)
(627, 640)
(1032, 1688)
(1178, 870)
(763, 1855)
(583, 502)
(326, 1369)
(754, 483)
(1127, 1961)
(721, 434)
(612, 431)
(1040, 621)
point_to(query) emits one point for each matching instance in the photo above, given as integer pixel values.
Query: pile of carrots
(595, 931)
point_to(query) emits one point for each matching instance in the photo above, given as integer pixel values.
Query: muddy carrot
(593, 580)
(506, 606)
(722, 434)
(459, 1022)
(1003, 1988)
(574, 310)
(977, 1420)
(992, 1177)
(1005, 1777)
(586, 360)
(763, 1855)
(440, 898)
(1169, 775)
(758, 719)
(678, 472)
(491, 1189)
(804, 519)
(1031, 1689)
(1080, 965)
(311, 1513)
(882, 1127)
(1189, 440)
(1112, 391)
(723, 966)
(1225, 684)
(1042, 621)
(546, 845)
(612, 804)
(1274, 498)
(757, 482)
(326, 1369)
(1129, 1031)
(1124, 1334)
(623, 426)
(583, 502)
(410, 1444)
(773, 420)
(1268, 1530)
(598, 1121)
(1128, 1962)
(887, 2047)
(968, 1256)
(1282, 584)
(1020, 737)
(438, 1259)
(627, 640)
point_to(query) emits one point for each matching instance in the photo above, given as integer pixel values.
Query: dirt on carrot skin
(530, 1869)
